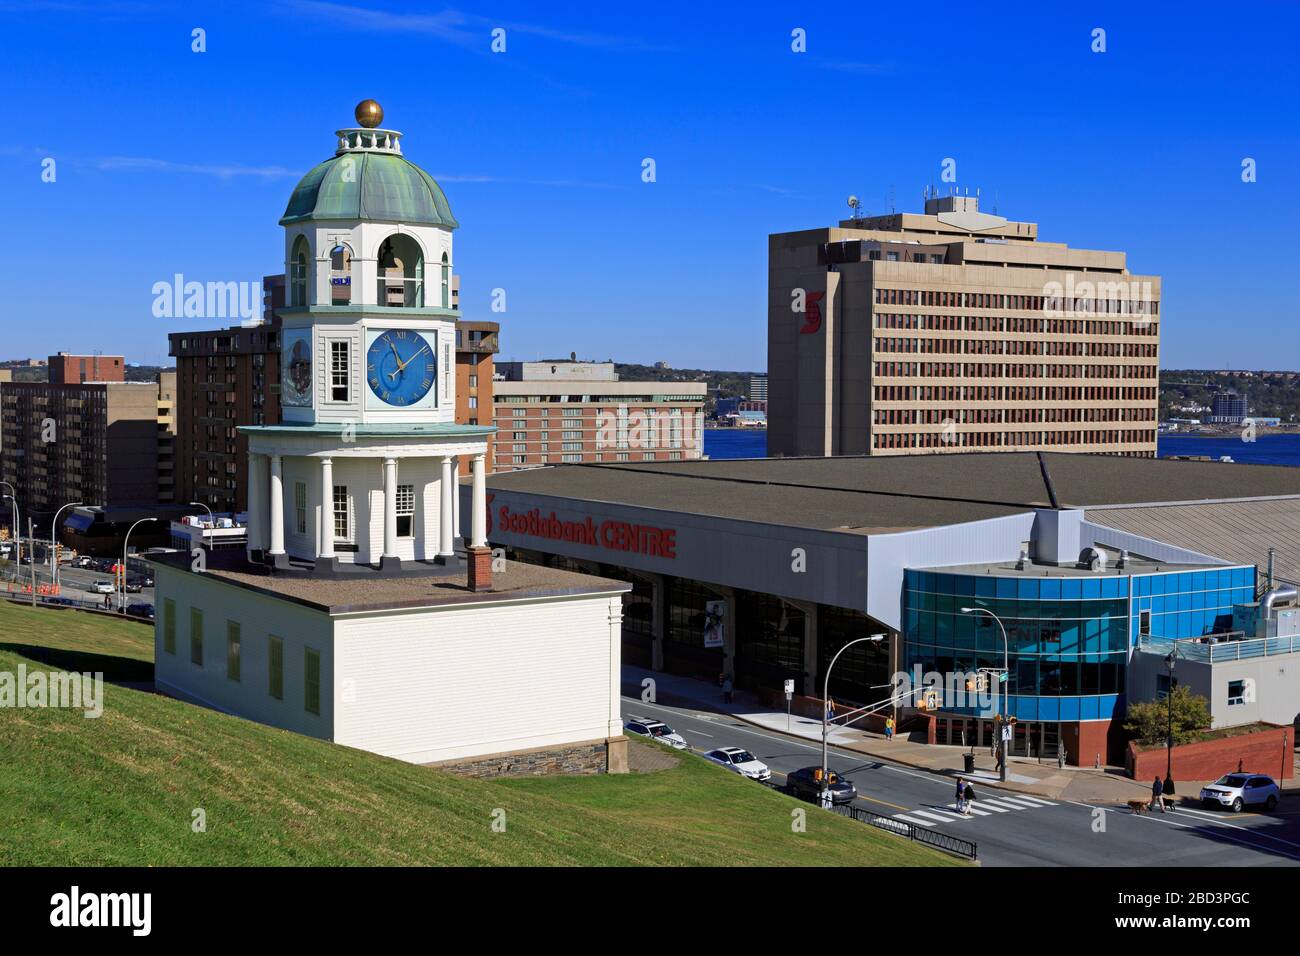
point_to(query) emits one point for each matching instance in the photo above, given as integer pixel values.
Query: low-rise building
(565, 411)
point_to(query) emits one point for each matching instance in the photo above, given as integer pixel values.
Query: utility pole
(31, 536)
(1168, 787)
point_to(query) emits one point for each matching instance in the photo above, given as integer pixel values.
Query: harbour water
(1264, 450)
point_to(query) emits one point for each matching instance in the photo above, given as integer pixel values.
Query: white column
(478, 521)
(256, 504)
(277, 504)
(455, 498)
(326, 548)
(446, 509)
(390, 507)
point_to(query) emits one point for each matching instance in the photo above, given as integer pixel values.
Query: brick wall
(1261, 752)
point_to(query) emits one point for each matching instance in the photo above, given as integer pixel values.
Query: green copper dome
(369, 185)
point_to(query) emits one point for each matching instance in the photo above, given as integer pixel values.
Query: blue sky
(173, 161)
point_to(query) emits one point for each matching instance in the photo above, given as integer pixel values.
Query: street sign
(789, 689)
(1006, 733)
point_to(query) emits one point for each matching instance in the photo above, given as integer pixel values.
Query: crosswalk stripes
(982, 807)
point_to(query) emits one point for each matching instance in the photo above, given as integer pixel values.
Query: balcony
(1218, 648)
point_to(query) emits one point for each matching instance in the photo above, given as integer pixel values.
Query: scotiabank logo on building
(610, 534)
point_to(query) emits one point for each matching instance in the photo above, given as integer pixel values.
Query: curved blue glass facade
(1069, 636)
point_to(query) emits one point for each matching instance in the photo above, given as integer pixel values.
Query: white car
(1239, 790)
(101, 587)
(740, 761)
(656, 729)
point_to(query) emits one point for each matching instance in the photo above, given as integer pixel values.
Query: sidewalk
(1108, 785)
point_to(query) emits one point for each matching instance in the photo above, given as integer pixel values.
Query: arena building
(1098, 567)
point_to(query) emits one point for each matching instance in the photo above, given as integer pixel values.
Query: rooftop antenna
(855, 204)
(891, 200)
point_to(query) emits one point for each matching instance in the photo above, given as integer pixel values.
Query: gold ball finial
(369, 114)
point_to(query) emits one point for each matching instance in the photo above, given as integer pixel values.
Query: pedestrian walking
(889, 728)
(961, 795)
(727, 694)
(968, 796)
(1157, 789)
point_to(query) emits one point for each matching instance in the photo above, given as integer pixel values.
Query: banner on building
(715, 617)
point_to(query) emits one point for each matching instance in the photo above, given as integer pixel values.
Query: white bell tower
(362, 471)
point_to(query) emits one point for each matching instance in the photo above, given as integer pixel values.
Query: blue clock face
(401, 367)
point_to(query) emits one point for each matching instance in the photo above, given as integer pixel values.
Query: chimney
(478, 562)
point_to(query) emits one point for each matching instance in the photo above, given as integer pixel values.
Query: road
(1011, 830)
(75, 584)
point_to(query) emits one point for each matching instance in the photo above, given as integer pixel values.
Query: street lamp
(1006, 683)
(825, 794)
(125, 542)
(1169, 738)
(199, 504)
(54, 538)
(18, 534)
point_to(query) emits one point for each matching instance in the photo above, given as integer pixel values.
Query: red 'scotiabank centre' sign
(609, 534)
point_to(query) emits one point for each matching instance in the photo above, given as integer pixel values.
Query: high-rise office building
(956, 331)
(1228, 408)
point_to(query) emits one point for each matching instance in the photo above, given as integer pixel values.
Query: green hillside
(123, 788)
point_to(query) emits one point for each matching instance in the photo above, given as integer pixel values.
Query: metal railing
(940, 841)
(1226, 647)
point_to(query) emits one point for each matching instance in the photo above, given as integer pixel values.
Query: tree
(1148, 722)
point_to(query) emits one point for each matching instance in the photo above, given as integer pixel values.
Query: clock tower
(361, 473)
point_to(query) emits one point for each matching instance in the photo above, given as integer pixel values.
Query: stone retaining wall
(588, 757)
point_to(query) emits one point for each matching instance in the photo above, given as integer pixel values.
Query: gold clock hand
(401, 366)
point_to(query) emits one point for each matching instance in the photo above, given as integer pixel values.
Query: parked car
(1240, 790)
(144, 611)
(806, 784)
(740, 761)
(656, 729)
(100, 587)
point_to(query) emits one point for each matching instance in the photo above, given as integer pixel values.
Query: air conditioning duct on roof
(1094, 559)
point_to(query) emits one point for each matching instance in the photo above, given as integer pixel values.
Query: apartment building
(224, 378)
(957, 331)
(476, 345)
(67, 369)
(167, 436)
(90, 442)
(568, 412)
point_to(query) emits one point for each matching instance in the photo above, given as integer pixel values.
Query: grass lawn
(123, 788)
(80, 641)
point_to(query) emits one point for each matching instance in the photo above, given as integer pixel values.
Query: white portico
(375, 495)
(362, 470)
